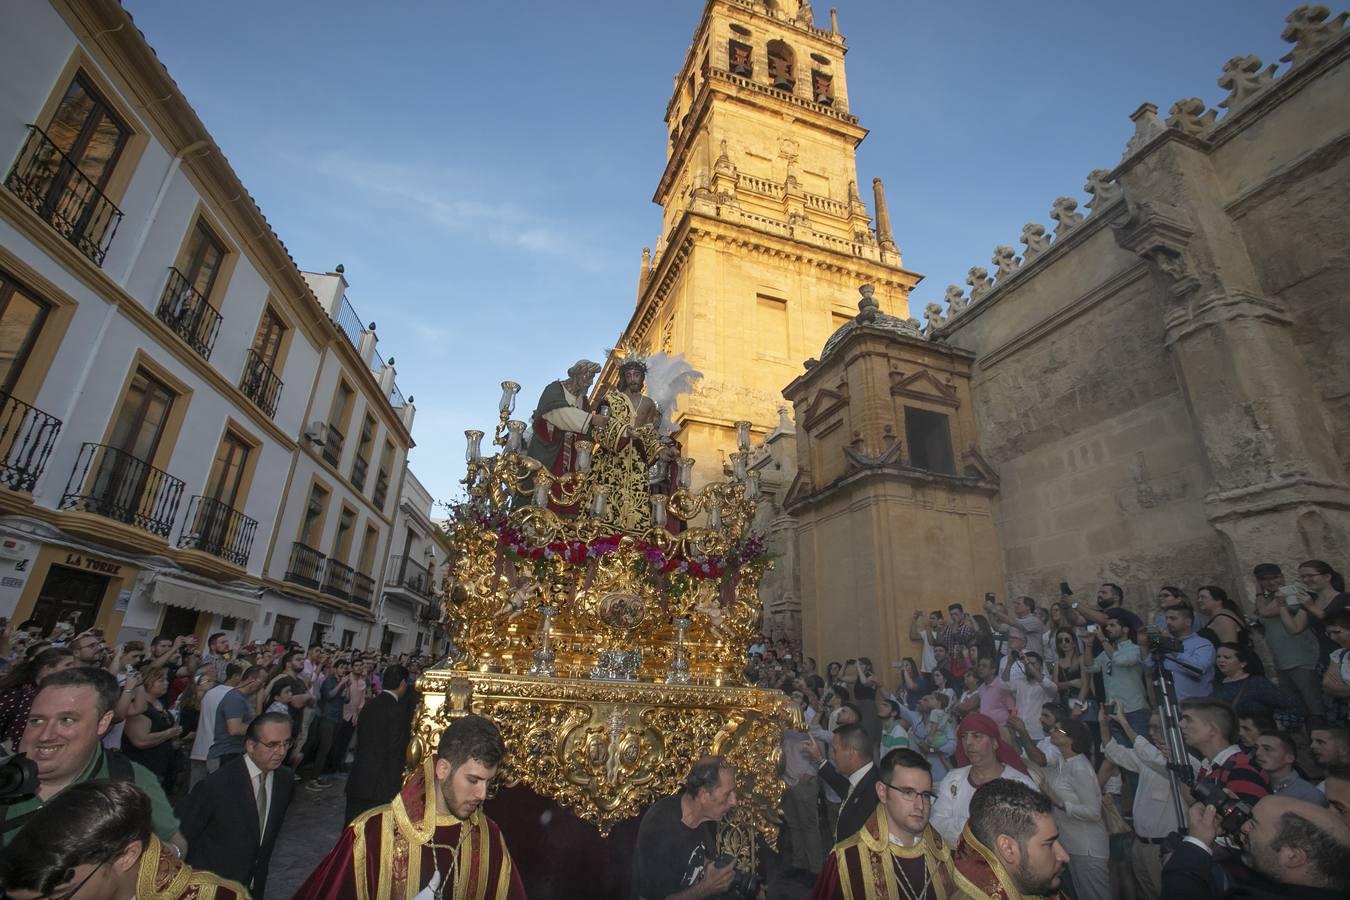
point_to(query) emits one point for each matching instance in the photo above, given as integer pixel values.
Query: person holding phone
(1293, 645)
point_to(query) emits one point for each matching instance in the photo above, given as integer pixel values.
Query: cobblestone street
(313, 824)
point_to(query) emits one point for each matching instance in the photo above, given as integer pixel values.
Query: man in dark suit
(229, 835)
(851, 774)
(381, 746)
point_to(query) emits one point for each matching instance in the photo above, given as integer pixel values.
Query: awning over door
(171, 591)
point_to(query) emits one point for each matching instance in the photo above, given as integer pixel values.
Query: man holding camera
(1191, 659)
(1210, 728)
(1122, 669)
(677, 856)
(1293, 645)
(1294, 849)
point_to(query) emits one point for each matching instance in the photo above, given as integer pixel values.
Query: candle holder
(515, 436)
(740, 464)
(743, 435)
(686, 470)
(584, 449)
(542, 484)
(659, 510)
(600, 502)
(715, 512)
(752, 487)
(474, 452)
(508, 401)
(679, 662)
(543, 657)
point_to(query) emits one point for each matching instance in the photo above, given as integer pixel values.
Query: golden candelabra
(611, 659)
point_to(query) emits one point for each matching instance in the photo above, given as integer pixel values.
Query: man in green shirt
(1293, 645)
(66, 724)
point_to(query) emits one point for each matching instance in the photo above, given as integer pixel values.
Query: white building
(168, 376)
(408, 619)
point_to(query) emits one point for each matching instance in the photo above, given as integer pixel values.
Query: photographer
(1192, 663)
(1210, 728)
(1122, 669)
(1292, 644)
(1294, 849)
(677, 856)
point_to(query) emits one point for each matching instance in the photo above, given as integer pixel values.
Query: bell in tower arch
(782, 66)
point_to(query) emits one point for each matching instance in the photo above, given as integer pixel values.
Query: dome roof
(870, 315)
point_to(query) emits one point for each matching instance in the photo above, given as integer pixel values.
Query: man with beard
(1294, 849)
(1010, 847)
(626, 446)
(676, 856)
(434, 840)
(896, 853)
(561, 417)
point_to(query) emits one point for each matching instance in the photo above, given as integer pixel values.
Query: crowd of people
(1061, 698)
(197, 730)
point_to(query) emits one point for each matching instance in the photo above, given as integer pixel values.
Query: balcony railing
(350, 323)
(51, 184)
(381, 489)
(363, 589)
(406, 572)
(26, 438)
(332, 444)
(260, 384)
(306, 565)
(112, 483)
(359, 469)
(186, 311)
(215, 528)
(337, 579)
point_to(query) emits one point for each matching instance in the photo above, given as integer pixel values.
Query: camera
(18, 776)
(743, 883)
(1164, 643)
(1233, 813)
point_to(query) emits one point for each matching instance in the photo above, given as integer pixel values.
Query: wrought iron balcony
(188, 313)
(51, 184)
(408, 573)
(359, 469)
(113, 483)
(381, 489)
(337, 579)
(260, 384)
(215, 528)
(363, 590)
(306, 565)
(26, 438)
(332, 444)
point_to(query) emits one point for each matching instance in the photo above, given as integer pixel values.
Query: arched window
(782, 66)
(739, 59)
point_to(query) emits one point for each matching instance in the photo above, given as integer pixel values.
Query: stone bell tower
(765, 232)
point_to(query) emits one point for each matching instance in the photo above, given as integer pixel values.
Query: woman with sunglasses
(1070, 678)
(1071, 784)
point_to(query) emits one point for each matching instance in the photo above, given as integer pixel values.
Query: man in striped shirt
(1210, 728)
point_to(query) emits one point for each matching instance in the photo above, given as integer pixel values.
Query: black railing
(306, 565)
(337, 579)
(359, 469)
(215, 528)
(407, 572)
(260, 384)
(113, 483)
(26, 438)
(332, 444)
(350, 323)
(363, 589)
(54, 187)
(188, 313)
(381, 489)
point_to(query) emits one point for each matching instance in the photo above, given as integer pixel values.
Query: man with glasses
(95, 841)
(226, 833)
(897, 853)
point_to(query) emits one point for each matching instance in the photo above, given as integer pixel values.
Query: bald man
(1301, 848)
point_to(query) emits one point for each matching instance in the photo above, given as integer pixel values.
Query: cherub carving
(956, 301)
(1006, 262)
(1063, 212)
(517, 601)
(1189, 116)
(1104, 191)
(933, 313)
(714, 613)
(980, 283)
(1036, 241)
(1243, 78)
(1309, 32)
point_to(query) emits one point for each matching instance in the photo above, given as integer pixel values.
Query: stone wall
(1162, 386)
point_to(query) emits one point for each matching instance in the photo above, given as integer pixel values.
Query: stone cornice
(797, 502)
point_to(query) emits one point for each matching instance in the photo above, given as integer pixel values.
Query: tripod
(1178, 765)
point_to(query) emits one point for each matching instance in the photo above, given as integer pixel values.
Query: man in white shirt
(1032, 687)
(1155, 812)
(206, 723)
(987, 757)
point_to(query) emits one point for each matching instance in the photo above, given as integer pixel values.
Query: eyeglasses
(274, 746)
(66, 895)
(910, 794)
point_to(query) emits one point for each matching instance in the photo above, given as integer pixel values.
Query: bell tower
(765, 236)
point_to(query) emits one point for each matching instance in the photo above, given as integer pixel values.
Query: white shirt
(253, 773)
(952, 807)
(206, 723)
(857, 777)
(1155, 815)
(1080, 821)
(1031, 696)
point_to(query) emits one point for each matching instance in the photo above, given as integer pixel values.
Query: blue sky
(484, 170)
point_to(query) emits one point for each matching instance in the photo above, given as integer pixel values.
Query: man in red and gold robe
(1009, 848)
(897, 855)
(434, 840)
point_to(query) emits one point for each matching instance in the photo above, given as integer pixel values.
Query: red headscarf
(978, 722)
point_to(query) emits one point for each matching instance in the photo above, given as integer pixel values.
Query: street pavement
(313, 824)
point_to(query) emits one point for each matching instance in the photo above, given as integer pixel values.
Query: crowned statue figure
(628, 444)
